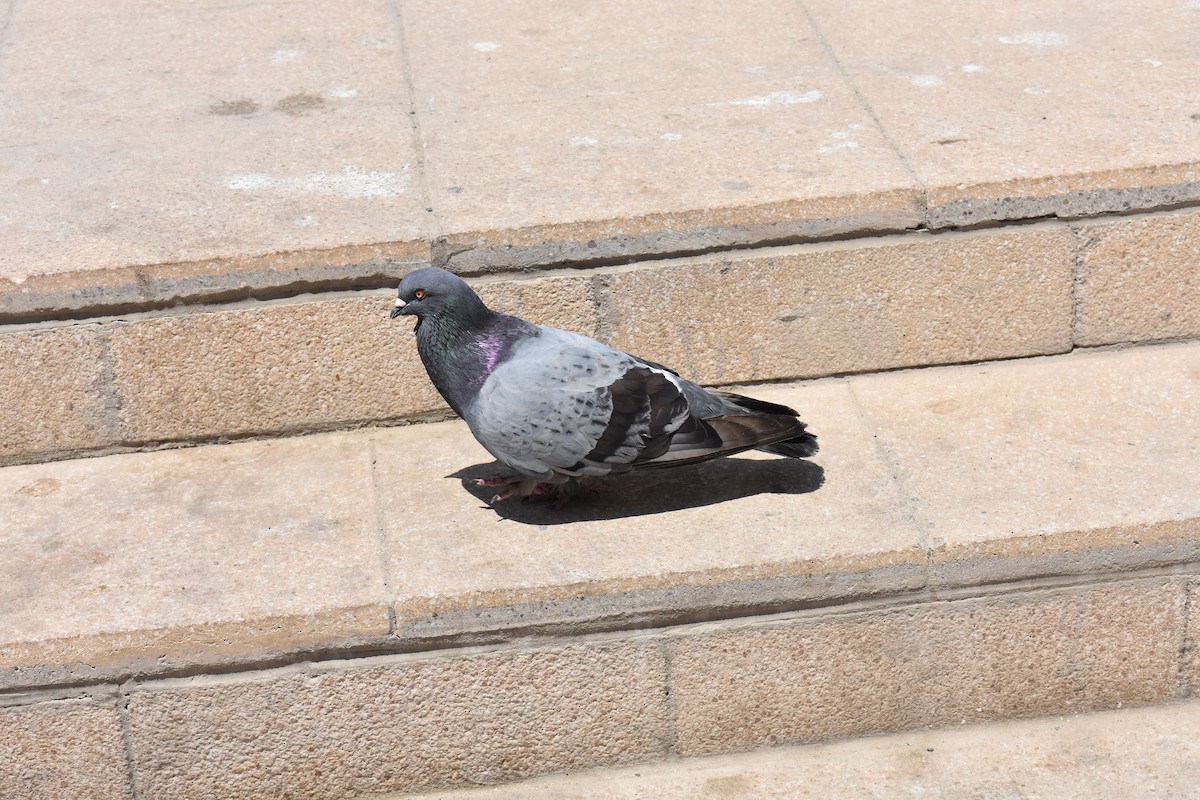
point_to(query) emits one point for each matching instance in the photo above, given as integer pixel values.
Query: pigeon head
(433, 293)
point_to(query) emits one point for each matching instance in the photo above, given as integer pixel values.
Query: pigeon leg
(495, 480)
(511, 488)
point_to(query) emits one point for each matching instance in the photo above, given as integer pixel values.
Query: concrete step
(1151, 753)
(333, 360)
(245, 150)
(339, 614)
(156, 201)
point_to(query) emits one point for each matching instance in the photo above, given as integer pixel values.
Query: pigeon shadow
(654, 491)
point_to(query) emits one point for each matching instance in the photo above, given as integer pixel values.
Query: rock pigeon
(553, 406)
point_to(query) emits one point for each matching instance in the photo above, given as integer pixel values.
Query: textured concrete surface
(62, 749)
(156, 561)
(933, 479)
(740, 532)
(53, 392)
(554, 132)
(1132, 754)
(334, 359)
(1036, 653)
(259, 150)
(1029, 109)
(1138, 279)
(295, 366)
(849, 307)
(267, 368)
(1191, 653)
(1046, 466)
(236, 146)
(408, 725)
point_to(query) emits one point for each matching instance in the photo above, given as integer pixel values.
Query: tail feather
(800, 447)
(754, 404)
(726, 435)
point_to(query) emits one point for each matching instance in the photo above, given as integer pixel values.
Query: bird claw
(529, 491)
(493, 481)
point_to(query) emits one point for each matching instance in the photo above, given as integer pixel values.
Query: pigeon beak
(397, 309)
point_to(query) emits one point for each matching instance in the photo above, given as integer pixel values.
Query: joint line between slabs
(1187, 645)
(127, 746)
(858, 95)
(389, 595)
(418, 137)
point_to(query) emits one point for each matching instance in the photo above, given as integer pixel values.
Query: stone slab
(714, 539)
(1047, 466)
(54, 392)
(1131, 754)
(236, 148)
(1031, 108)
(403, 725)
(62, 749)
(1138, 279)
(554, 133)
(818, 679)
(296, 366)
(848, 306)
(159, 561)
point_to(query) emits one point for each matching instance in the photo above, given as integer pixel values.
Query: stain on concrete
(299, 104)
(233, 108)
(40, 487)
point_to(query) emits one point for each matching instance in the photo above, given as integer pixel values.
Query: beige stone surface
(737, 533)
(814, 679)
(267, 550)
(62, 749)
(1138, 279)
(848, 307)
(1132, 754)
(214, 155)
(279, 367)
(405, 725)
(1191, 655)
(155, 561)
(267, 368)
(53, 392)
(1044, 466)
(554, 132)
(1028, 109)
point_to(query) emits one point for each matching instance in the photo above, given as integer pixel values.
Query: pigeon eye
(419, 294)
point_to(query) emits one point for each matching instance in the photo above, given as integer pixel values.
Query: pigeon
(555, 406)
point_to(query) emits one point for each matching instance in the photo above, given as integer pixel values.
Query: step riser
(407, 723)
(335, 361)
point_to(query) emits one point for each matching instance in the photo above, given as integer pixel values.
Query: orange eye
(419, 294)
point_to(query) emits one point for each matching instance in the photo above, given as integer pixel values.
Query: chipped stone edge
(85, 294)
(1084, 203)
(214, 646)
(605, 243)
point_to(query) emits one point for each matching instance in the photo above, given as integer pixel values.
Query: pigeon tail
(799, 447)
(726, 435)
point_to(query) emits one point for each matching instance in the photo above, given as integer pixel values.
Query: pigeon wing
(567, 405)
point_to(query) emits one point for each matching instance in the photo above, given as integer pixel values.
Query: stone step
(333, 360)
(340, 614)
(253, 151)
(188, 227)
(1151, 753)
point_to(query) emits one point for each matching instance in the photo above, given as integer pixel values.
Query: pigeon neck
(459, 353)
